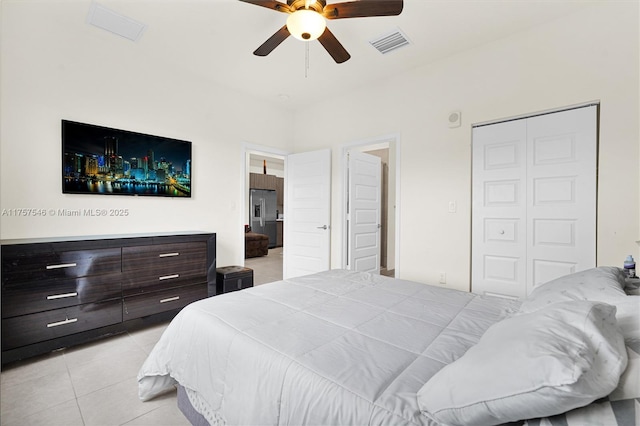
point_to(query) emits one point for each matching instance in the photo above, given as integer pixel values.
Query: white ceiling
(215, 39)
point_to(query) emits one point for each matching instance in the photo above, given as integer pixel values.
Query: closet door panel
(561, 206)
(499, 203)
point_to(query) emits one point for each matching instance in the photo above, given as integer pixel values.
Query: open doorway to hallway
(264, 215)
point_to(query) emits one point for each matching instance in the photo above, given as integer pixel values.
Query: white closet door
(534, 200)
(498, 254)
(561, 206)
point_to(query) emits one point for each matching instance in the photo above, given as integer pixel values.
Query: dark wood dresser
(62, 292)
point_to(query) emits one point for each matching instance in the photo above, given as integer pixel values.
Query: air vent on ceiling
(115, 23)
(390, 42)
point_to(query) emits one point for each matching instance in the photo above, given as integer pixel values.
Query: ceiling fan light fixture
(306, 24)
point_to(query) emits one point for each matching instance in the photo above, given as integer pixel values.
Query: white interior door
(561, 202)
(363, 212)
(498, 254)
(534, 200)
(307, 213)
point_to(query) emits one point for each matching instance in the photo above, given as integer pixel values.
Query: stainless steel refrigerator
(262, 206)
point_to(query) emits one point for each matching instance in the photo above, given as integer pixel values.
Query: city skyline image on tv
(102, 160)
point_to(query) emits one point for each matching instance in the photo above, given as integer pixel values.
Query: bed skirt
(195, 418)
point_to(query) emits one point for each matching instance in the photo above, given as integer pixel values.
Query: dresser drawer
(44, 295)
(27, 329)
(157, 269)
(18, 268)
(164, 255)
(133, 283)
(161, 301)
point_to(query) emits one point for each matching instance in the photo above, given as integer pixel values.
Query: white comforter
(334, 348)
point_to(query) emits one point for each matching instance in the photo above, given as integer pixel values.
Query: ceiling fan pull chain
(306, 59)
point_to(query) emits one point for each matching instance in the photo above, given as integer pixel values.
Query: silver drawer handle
(169, 254)
(67, 321)
(168, 277)
(61, 296)
(170, 299)
(62, 265)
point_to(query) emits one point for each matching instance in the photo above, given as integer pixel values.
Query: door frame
(247, 150)
(377, 142)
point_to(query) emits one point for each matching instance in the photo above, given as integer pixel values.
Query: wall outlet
(443, 277)
(453, 207)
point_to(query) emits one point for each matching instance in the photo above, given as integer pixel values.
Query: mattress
(338, 347)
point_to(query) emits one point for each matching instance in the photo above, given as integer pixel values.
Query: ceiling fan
(307, 21)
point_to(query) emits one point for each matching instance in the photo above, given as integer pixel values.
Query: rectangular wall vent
(115, 23)
(390, 42)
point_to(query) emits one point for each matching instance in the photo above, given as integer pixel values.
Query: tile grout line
(73, 386)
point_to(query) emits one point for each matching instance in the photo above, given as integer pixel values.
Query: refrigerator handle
(263, 211)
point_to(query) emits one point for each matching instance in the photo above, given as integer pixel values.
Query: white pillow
(533, 365)
(602, 284)
(628, 317)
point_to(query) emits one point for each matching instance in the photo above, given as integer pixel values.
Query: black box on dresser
(61, 292)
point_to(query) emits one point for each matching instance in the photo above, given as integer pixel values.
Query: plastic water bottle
(630, 266)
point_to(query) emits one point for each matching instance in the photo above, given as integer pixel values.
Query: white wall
(103, 79)
(591, 55)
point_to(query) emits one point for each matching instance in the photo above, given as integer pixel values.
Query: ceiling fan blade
(272, 42)
(333, 46)
(363, 8)
(270, 4)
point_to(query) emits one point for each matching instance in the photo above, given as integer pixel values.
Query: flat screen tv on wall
(102, 160)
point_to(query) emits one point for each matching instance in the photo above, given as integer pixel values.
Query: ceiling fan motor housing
(318, 5)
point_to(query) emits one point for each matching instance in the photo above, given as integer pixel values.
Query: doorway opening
(387, 149)
(263, 212)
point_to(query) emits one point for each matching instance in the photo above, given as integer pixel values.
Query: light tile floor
(267, 268)
(95, 384)
(92, 384)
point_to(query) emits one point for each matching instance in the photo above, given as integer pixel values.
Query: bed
(350, 348)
